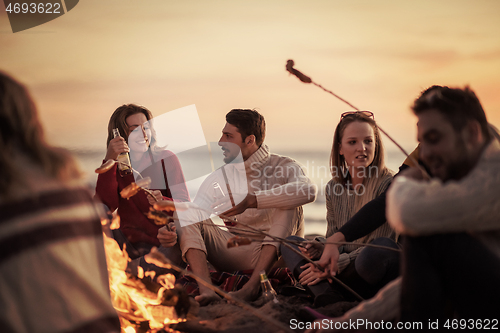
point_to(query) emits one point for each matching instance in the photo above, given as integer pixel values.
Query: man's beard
(461, 167)
(229, 159)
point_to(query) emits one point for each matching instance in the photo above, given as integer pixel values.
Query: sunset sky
(221, 55)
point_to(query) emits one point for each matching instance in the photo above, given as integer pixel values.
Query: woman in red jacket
(138, 138)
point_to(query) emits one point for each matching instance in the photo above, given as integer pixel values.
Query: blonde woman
(359, 175)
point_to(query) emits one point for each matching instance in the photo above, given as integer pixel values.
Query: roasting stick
(298, 243)
(171, 206)
(306, 79)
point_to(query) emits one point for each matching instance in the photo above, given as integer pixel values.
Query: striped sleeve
(53, 274)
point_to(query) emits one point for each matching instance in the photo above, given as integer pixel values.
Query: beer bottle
(124, 166)
(268, 293)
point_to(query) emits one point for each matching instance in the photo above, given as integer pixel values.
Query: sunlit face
(138, 140)
(442, 149)
(357, 144)
(231, 143)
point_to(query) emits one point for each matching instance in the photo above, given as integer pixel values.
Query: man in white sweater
(269, 197)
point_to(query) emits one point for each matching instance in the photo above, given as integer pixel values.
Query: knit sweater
(471, 204)
(280, 186)
(278, 182)
(340, 203)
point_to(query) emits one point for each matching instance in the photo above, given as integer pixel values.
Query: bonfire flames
(139, 308)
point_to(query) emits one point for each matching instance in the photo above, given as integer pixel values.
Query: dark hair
(248, 122)
(21, 133)
(119, 119)
(457, 105)
(337, 161)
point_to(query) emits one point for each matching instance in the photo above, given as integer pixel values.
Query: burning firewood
(238, 241)
(140, 307)
(178, 298)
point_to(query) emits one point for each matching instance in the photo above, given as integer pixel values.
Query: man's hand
(250, 201)
(167, 238)
(116, 147)
(312, 250)
(157, 195)
(330, 257)
(311, 275)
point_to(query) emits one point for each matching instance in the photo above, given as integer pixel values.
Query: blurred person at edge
(53, 274)
(451, 224)
(455, 215)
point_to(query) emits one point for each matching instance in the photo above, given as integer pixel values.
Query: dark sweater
(370, 217)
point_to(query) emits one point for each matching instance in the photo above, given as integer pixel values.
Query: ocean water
(315, 163)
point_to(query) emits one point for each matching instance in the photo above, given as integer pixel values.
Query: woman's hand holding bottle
(116, 147)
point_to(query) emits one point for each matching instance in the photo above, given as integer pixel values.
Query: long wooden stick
(302, 243)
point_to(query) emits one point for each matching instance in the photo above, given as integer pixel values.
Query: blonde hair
(21, 133)
(338, 165)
